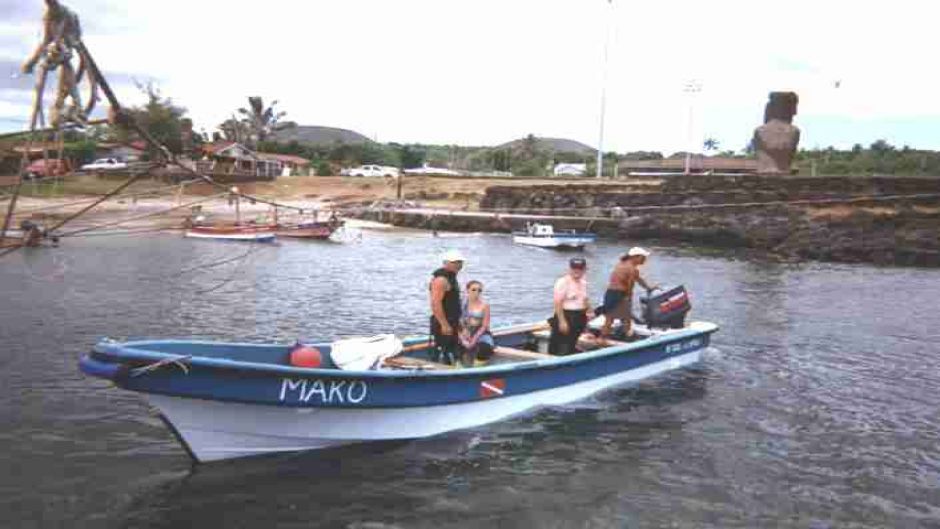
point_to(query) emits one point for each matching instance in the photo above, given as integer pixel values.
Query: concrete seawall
(848, 219)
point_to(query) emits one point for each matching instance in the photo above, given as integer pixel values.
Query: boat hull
(555, 241)
(317, 233)
(216, 430)
(232, 235)
(230, 400)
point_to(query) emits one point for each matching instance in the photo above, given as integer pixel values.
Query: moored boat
(227, 400)
(310, 229)
(233, 233)
(546, 236)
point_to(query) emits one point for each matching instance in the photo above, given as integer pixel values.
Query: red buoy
(305, 356)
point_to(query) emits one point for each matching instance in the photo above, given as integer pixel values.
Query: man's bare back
(624, 276)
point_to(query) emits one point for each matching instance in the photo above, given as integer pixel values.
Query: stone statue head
(781, 106)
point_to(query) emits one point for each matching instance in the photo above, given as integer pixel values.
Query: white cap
(452, 255)
(636, 250)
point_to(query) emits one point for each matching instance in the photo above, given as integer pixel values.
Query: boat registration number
(322, 392)
(681, 347)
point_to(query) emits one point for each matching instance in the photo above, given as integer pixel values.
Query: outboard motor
(666, 309)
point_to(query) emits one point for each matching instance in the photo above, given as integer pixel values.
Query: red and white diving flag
(494, 387)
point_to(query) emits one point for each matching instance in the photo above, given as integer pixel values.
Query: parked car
(371, 170)
(104, 164)
(47, 167)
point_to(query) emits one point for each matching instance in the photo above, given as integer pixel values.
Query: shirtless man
(618, 299)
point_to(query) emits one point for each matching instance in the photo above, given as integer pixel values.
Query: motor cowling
(666, 309)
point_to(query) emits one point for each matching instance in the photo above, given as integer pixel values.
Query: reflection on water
(817, 406)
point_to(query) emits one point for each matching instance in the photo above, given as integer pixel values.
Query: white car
(372, 170)
(104, 164)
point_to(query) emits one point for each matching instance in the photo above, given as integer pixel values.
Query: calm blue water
(817, 407)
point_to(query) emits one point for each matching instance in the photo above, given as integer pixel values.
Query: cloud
(487, 71)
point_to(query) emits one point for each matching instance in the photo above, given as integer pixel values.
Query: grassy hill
(552, 145)
(313, 135)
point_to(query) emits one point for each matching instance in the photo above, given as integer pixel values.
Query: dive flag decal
(494, 387)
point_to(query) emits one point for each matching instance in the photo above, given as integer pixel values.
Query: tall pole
(600, 139)
(691, 87)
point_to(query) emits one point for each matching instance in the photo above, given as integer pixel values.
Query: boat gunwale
(563, 235)
(122, 352)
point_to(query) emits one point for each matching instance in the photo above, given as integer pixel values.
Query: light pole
(691, 88)
(600, 139)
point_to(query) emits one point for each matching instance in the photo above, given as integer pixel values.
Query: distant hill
(552, 144)
(316, 136)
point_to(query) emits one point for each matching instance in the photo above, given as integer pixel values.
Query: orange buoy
(304, 356)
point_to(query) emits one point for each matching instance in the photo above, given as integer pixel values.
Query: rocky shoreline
(882, 220)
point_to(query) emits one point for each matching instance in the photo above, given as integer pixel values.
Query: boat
(310, 230)
(198, 228)
(230, 400)
(546, 236)
(233, 233)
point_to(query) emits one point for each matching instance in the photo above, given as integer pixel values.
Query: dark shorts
(446, 347)
(566, 344)
(617, 304)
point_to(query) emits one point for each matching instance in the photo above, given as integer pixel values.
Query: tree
(235, 130)
(881, 147)
(530, 146)
(260, 121)
(159, 117)
(710, 144)
(410, 155)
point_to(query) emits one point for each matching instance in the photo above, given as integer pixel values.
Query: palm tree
(235, 130)
(261, 121)
(711, 144)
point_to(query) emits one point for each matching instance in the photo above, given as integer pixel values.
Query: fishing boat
(199, 228)
(233, 233)
(229, 400)
(310, 230)
(546, 236)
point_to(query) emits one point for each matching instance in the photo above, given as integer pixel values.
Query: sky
(484, 72)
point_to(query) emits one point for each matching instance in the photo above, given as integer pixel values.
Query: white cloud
(487, 71)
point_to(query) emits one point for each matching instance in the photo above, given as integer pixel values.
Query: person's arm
(438, 289)
(641, 281)
(559, 306)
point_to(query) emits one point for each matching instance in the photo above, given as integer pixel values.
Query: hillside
(552, 144)
(313, 135)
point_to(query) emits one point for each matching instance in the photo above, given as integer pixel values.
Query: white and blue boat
(546, 236)
(228, 400)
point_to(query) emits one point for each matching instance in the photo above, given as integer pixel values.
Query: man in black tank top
(446, 308)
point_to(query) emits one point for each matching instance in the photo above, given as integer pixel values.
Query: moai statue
(776, 140)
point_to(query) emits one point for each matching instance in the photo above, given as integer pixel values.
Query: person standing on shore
(618, 299)
(571, 309)
(446, 308)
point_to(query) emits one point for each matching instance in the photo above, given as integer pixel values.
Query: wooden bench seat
(519, 354)
(586, 340)
(407, 362)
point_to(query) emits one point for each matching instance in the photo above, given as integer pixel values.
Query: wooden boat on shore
(546, 236)
(228, 400)
(233, 233)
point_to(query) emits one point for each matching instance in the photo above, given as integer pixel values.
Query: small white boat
(233, 233)
(546, 236)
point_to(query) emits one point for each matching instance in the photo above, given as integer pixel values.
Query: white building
(570, 169)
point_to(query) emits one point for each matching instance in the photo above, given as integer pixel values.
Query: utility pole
(600, 139)
(691, 88)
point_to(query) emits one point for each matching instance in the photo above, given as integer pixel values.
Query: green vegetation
(161, 118)
(880, 158)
